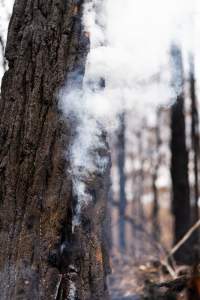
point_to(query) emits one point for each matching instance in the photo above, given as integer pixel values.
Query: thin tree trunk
(155, 211)
(195, 143)
(122, 182)
(140, 178)
(137, 206)
(40, 258)
(179, 160)
(110, 206)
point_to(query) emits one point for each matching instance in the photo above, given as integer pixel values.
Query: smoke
(130, 46)
(72, 291)
(88, 150)
(127, 69)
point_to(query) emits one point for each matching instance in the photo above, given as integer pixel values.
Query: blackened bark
(155, 211)
(195, 144)
(122, 182)
(40, 258)
(179, 160)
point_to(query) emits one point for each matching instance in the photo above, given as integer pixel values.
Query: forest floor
(145, 280)
(146, 273)
(125, 282)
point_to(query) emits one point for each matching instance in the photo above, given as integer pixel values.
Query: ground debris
(150, 279)
(167, 290)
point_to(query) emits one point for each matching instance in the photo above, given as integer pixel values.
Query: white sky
(5, 12)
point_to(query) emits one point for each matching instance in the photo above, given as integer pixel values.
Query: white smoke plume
(127, 69)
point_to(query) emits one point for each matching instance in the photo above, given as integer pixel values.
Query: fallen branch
(177, 284)
(184, 239)
(171, 270)
(164, 261)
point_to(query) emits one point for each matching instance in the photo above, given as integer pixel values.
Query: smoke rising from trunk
(127, 68)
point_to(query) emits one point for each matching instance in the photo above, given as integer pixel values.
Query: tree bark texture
(40, 258)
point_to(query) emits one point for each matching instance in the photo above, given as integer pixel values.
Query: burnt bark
(179, 160)
(195, 144)
(40, 257)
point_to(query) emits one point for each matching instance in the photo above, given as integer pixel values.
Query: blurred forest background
(155, 193)
(154, 199)
(155, 173)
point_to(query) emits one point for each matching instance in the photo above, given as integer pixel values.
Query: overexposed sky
(133, 47)
(5, 13)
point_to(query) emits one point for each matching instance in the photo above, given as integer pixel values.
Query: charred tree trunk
(155, 211)
(40, 257)
(138, 177)
(195, 143)
(122, 182)
(141, 178)
(179, 159)
(109, 217)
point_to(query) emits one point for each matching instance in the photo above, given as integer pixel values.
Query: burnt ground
(145, 279)
(125, 283)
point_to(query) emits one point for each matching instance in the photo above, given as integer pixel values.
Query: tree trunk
(122, 182)
(195, 144)
(179, 160)
(138, 178)
(40, 257)
(155, 210)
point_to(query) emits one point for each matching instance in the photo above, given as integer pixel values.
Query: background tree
(195, 142)
(155, 169)
(122, 181)
(179, 159)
